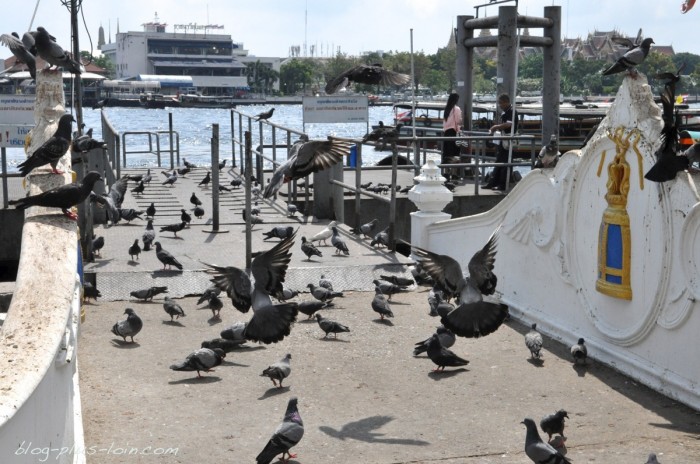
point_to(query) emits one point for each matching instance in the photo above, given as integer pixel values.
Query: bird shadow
(365, 430)
(386, 322)
(580, 369)
(231, 363)
(101, 263)
(174, 323)
(196, 380)
(307, 321)
(131, 262)
(214, 320)
(439, 375)
(166, 272)
(274, 391)
(329, 339)
(124, 345)
(172, 238)
(537, 362)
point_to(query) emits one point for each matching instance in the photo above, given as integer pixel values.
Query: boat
(157, 101)
(206, 101)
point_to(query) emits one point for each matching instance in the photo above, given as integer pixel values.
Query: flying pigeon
(198, 212)
(380, 304)
(129, 327)
(309, 249)
(49, 51)
(579, 351)
(149, 235)
(539, 451)
(202, 359)
(287, 435)
(135, 250)
(310, 307)
(365, 229)
(279, 232)
(151, 210)
(185, 217)
(235, 333)
(441, 356)
(338, 243)
(52, 150)
(21, 52)
(533, 341)
(304, 158)
(278, 371)
(166, 258)
(381, 136)
(172, 308)
(323, 294)
(113, 200)
(549, 155)
(445, 337)
(204, 182)
(129, 214)
(632, 57)
(97, 244)
(329, 326)
(398, 280)
(474, 317)
(387, 288)
(554, 423)
(64, 197)
(367, 74)
(265, 115)
(148, 293)
(270, 322)
(174, 228)
(324, 234)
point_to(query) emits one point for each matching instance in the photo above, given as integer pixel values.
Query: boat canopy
(167, 81)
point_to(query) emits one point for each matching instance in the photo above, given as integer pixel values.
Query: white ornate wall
(547, 261)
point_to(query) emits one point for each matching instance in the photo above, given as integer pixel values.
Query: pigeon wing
(235, 283)
(443, 269)
(270, 267)
(317, 155)
(481, 267)
(476, 319)
(271, 323)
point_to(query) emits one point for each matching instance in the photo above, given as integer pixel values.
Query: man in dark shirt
(508, 119)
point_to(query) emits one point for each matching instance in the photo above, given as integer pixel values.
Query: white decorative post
(431, 197)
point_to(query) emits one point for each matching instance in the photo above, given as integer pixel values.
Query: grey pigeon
(215, 304)
(236, 183)
(223, 344)
(292, 209)
(365, 229)
(287, 435)
(113, 200)
(135, 250)
(264, 115)
(325, 283)
(204, 182)
(441, 356)
(329, 326)
(381, 238)
(306, 157)
(338, 243)
(170, 178)
(434, 299)
(579, 351)
(174, 228)
(129, 214)
(235, 333)
(129, 327)
(632, 57)
(148, 177)
(85, 143)
(89, 291)
(172, 308)
(380, 304)
(279, 370)
(49, 51)
(539, 451)
(374, 74)
(148, 293)
(166, 258)
(188, 164)
(254, 218)
(533, 341)
(324, 234)
(323, 294)
(387, 288)
(398, 280)
(202, 359)
(310, 307)
(198, 212)
(149, 235)
(21, 52)
(256, 190)
(51, 151)
(652, 459)
(554, 423)
(279, 232)
(288, 294)
(183, 171)
(212, 290)
(64, 197)
(445, 337)
(97, 244)
(549, 154)
(184, 216)
(151, 210)
(309, 249)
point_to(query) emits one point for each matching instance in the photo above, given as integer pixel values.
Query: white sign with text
(334, 109)
(17, 109)
(13, 135)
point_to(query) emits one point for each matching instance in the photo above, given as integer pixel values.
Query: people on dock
(451, 125)
(508, 119)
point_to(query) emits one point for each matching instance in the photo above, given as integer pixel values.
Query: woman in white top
(452, 123)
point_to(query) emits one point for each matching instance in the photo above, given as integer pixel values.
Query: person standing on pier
(451, 125)
(508, 118)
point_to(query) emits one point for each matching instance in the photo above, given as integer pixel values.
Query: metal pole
(464, 71)
(170, 137)
(392, 204)
(248, 173)
(413, 91)
(3, 152)
(233, 144)
(358, 183)
(77, 82)
(551, 79)
(215, 176)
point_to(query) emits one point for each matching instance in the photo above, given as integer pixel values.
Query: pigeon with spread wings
(374, 74)
(20, 50)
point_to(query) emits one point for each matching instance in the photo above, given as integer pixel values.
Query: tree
(102, 61)
(297, 74)
(261, 77)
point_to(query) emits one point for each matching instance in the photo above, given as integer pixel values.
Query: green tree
(531, 66)
(102, 61)
(261, 77)
(297, 75)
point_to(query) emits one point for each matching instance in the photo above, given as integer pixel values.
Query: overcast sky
(269, 28)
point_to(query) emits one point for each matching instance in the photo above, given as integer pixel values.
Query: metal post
(117, 142)
(170, 139)
(464, 71)
(233, 144)
(392, 204)
(258, 159)
(77, 81)
(215, 181)
(248, 173)
(3, 153)
(507, 50)
(551, 81)
(358, 183)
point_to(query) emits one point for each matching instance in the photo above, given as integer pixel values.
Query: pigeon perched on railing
(374, 74)
(49, 51)
(287, 435)
(202, 359)
(265, 115)
(20, 50)
(279, 370)
(129, 327)
(51, 151)
(329, 326)
(173, 309)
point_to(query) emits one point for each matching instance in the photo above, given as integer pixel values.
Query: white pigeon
(325, 234)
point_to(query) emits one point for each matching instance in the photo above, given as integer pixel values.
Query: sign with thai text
(335, 109)
(17, 109)
(13, 135)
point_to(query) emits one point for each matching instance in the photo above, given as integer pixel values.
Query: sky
(271, 27)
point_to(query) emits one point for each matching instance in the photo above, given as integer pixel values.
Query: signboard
(334, 109)
(13, 135)
(17, 109)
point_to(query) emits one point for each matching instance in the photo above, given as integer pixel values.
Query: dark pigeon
(365, 229)
(148, 293)
(212, 290)
(85, 143)
(533, 341)
(51, 151)
(279, 370)
(329, 326)
(309, 249)
(286, 436)
(632, 57)
(174, 228)
(203, 183)
(374, 74)
(139, 188)
(89, 291)
(579, 351)
(441, 356)
(183, 171)
(188, 164)
(222, 164)
(172, 308)
(265, 115)
(97, 244)
(397, 280)
(215, 304)
(445, 337)
(223, 344)
(129, 214)
(554, 423)
(135, 250)
(380, 239)
(380, 304)
(338, 243)
(198, 212)
(49, 51)
(323, 294)
(129, 327)
(539, 451)
(202, 359)
(149, 235)
(185, 217)
(310, 307)
(20, 50)
(279, 232)
(151, 210)
(166, 258)
(387, 288)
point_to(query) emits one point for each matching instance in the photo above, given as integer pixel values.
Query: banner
(335, 109)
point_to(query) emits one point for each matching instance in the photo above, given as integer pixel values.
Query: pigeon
(184, 217)
(135, 250)
(387, 288)
(338, 243)
(279, 232)
(441, 356)
(89, 291)
(151, 210)
(380, 304)
(148, 235)
(215, 304)
(324, 234)
(113, 200)
(172, 308)
(652, 459)
(549, 155)
(533, 340)
(198, 212)
(420, 276)
(64, 197)
(445, 337)
(235, 333)
(222, 164)
(325, 283)
(183, 171)
(49, 51)
(374, 74)
(287, 294)
(129, 214)
(554, 423)
(97, 244)
(188, 164)
(20, 50)
(559, 444)
(539, 451)
(223, 188)
(166, 258)
(380, 238)
(85, 143)
(139, 188)
(434, 299)
(632, 57)
(265, 115)
(203, 183)
(474, 316)
(212, 290)
(236, 183)
(174, 228)
(148, 177)
(366, 229)
(195, 201)
(171, 178)
(310, 307)
(129, 327)
(148, 293)
(286, 436)
(270, 322)
(202, 359)
(292, 209)
(381, 136)
(278, 371)
(51, 151)
(579, 351)
(223, 344)
(309, 249)
(398, 280)
(329, 326)
(304, 158)
(323, 294)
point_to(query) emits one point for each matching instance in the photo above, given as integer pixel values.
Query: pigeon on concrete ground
(235, 333)
(559, 444)
(387, 288)
(183, 171)
(329, 326)
(309, 249)
(174, 228)
(381, 238)
(292, 209)
(579, 351)
(148, 177)
(51, 151)
(338, 243)
(20, 50)
(205, 181)
(324, 234)
(223, 344)
(198, 212)
(306, 157)
(64, 197)
(549, 154)
(365, 229)
(323, 294)
(441, 356)
(280, 232)
(129, 327)
(533, 341)
(539, 451)
(325, 283)
(213, 289)
(236, 183)
(652, 459)
(151, 210)
(287, 435)
(222, 164)
(148, 293)
(129, 214)
(188, 164)
(397, 280)
(445, 337)
(148, 236)
(135, 250)
(49, 51)
(172, 308)
(97, 244)
(265, 115)
(185, 217)
(553, 424)
(166, 258)
(380, 304)
(434, 299)
(288, 294)
(203, 359)
(279, 370)
(254, 218)
(374, 74)
(632, 57)
(139, 189)
(171, 178)
(195, 200)
(215, 304)
(89, 291)
(113, 200)
(310, 307)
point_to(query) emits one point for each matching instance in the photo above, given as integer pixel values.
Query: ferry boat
(206, 101)
(157, 101)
